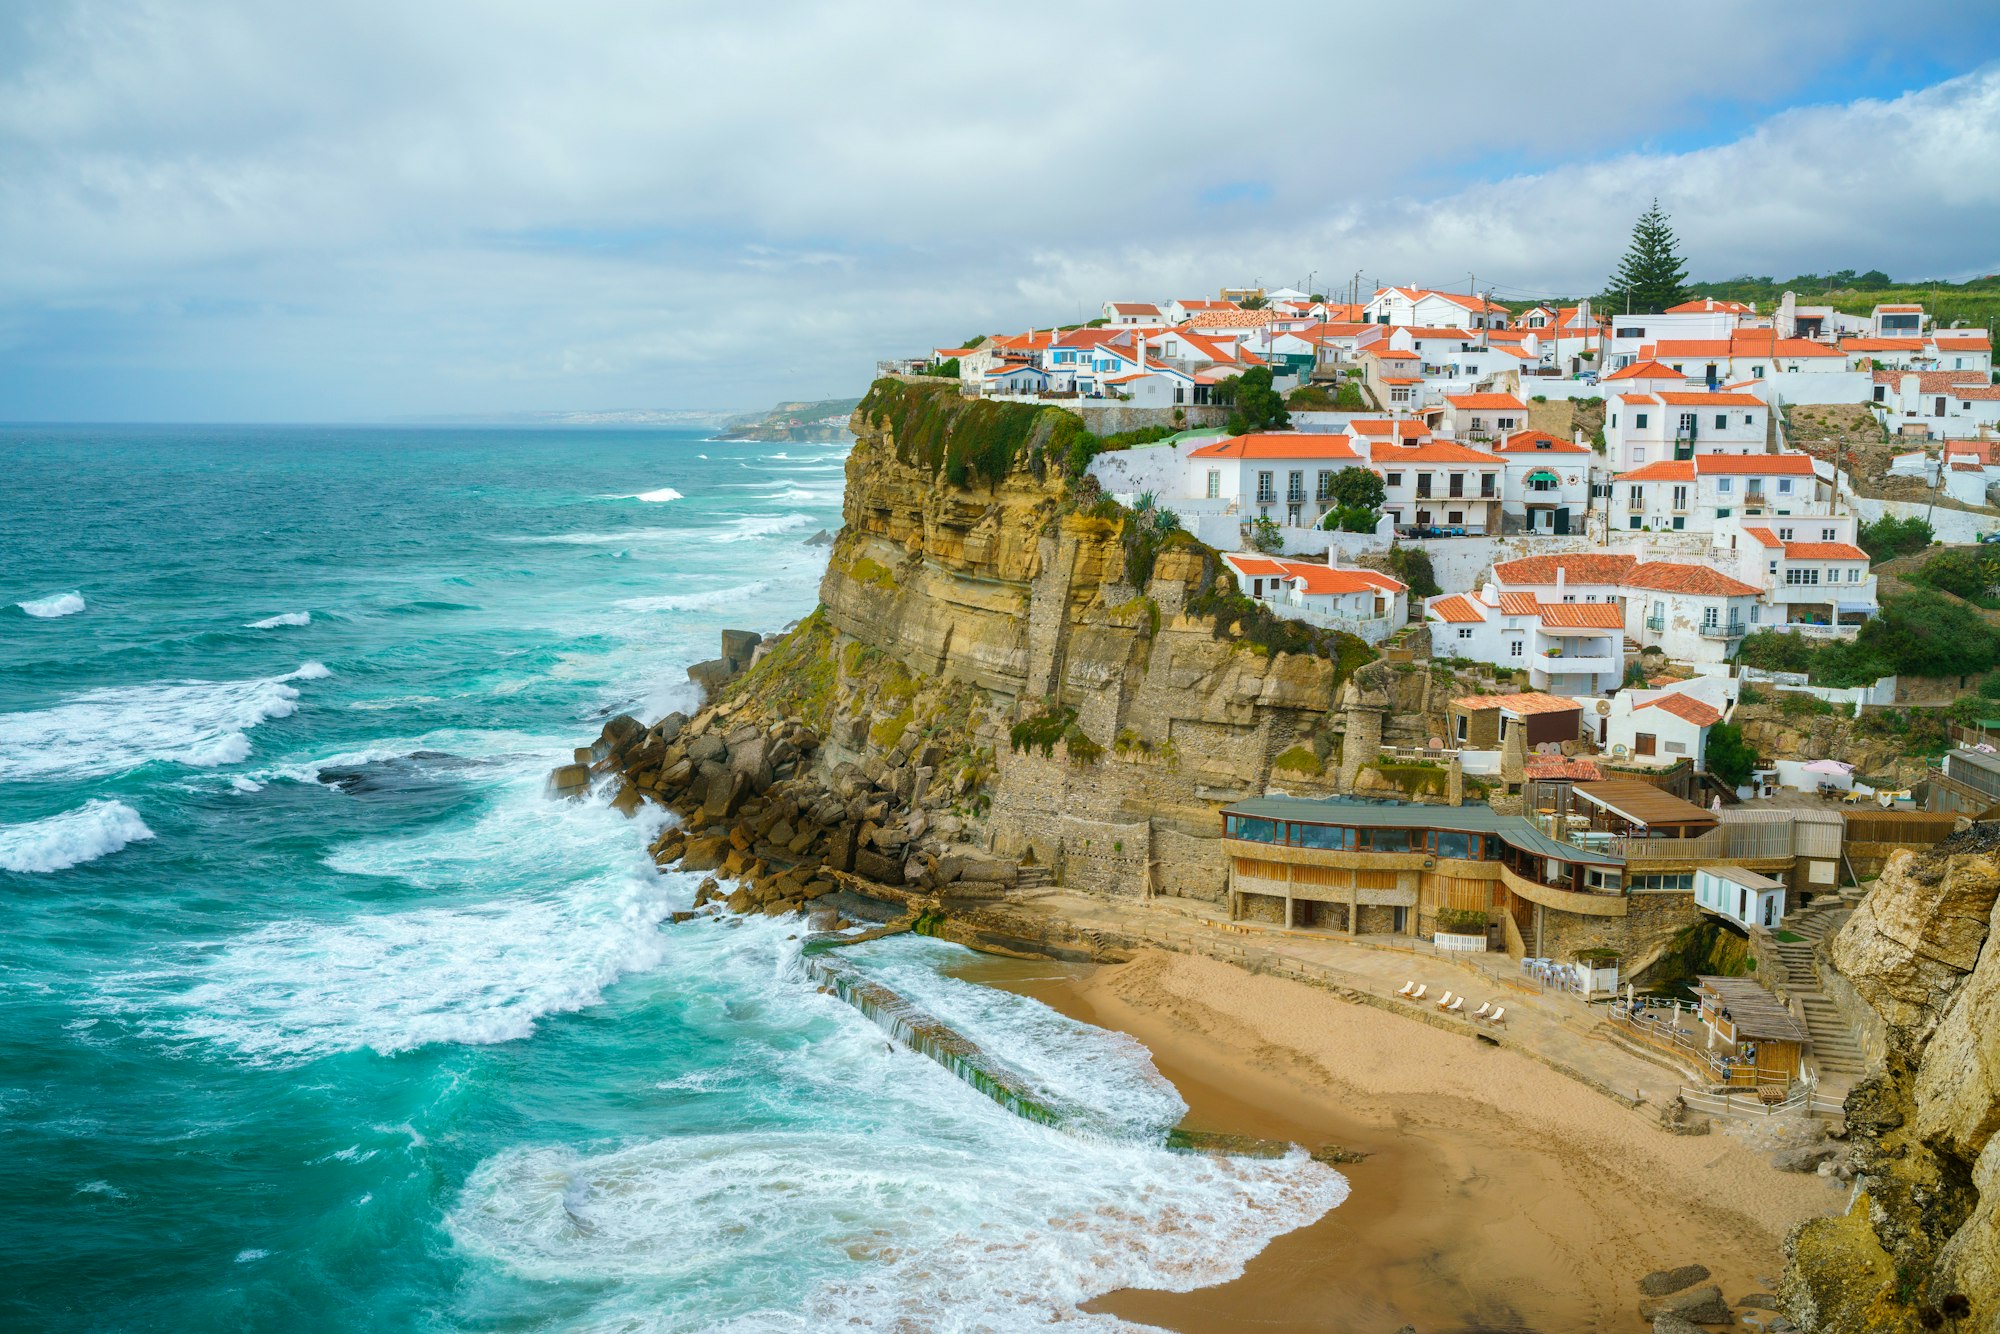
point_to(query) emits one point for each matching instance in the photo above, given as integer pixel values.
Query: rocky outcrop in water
(1923, 1233)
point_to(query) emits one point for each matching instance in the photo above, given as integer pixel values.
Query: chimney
(1561, 578)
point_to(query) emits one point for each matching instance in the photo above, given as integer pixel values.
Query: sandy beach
(1497, 1195)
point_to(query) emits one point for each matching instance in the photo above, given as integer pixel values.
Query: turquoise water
(315, 1013)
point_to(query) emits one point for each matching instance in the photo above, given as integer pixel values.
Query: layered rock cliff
(1005, 662)
(1922, 1238)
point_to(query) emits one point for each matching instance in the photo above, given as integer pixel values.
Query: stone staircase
(1032, 877)
(1835, 1048)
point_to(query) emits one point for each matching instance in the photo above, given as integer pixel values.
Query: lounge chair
(1499, 1016)
(1444, 1001)
(1485, 1007)
(1455, 1006)
(1408, 987)
(1418, 994)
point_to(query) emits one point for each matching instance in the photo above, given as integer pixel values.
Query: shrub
(1264, 535)
(1795, 705)
(1726, 755)
(1969, 573)
(1462, 921)
(1889, 537)
(1412, 565)
(1927, 634)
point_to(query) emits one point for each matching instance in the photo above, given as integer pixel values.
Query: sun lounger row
(1487, 1013)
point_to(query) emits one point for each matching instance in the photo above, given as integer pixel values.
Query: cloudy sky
(363, 211)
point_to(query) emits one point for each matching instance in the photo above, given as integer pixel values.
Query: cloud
(378, 208)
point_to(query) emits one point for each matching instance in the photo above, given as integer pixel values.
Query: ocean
(316, 1012)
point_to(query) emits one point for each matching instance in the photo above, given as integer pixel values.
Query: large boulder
(1700, 1306)
(1917, 934)
(1662, 1282)
(738, 646)
(711, 675)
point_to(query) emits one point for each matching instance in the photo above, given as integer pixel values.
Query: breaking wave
(276, 622)
(94, 829)
(54, 605)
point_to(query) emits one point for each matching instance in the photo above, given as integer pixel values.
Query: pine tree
(1652, 276)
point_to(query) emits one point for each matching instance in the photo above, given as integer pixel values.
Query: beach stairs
(1836, 1048)
(1032, 877)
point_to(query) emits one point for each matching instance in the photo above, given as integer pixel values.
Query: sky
(360, 211)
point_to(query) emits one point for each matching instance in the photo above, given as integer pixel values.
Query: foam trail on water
(54, 605)
(95, 829)
(661, 496)
(111, 730)
(748, 529)
(720, 597)
(277, 622)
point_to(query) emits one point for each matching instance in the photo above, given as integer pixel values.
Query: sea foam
(874, 1190)
(658, 497)
(278, 622)
(94, 829)
(54, 605)
(111, 730)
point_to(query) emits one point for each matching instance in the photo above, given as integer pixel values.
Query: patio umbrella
(1838, 768)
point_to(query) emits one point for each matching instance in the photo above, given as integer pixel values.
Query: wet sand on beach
(1496, 1195)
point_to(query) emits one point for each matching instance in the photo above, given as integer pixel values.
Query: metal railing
(1732, 630)
(1661, 1034)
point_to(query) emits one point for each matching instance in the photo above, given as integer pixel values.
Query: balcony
(1575, 664)
(1732, 630)
(1656, 623)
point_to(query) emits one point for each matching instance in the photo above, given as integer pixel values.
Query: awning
(1857, 606)
(1544, 475)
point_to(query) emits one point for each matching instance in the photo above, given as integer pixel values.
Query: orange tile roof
(1901, 310)
(1558, 768)
(1276, 445)
(1528, 701)
(1668, 576)
(1582, 567)
(1583, 615)
(1135, 307)
(1765, 536)
(1710, 400)
(1383, 426)
(1385, 453)
(1538, 442)
(1687, 347)
(1687, 708)
(1666, 470)
(1458, 609)
(1637, 398)
(1518, 604)
(1402, 379)
(1477, 402)
(1934, 382)
(1390, 354)
(1823, 551)
(1646, 370)
(1753, 465)
(1254, 565)
(1967, 340)
(1881, 344)
(1708, 305)
(1333, 579)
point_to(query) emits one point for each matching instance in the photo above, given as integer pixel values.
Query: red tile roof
(1753, 465)
(1765, 536)
(1666, 470)
(1519, 604)
(1717, 400)
(1583, 567)
(1477, 402)
(1559, 768)
(1582, 615)
(1385, 453)
(1881, 344)
(1275, 445)
(1823, 551)
(1645, 370)
(1538, 442)
(1935, 382)
(1701, 580)
(1707, 305)
(1336, 579)
(1530, 701)
(1687, 708)
(1458, 609)
(1383, 426)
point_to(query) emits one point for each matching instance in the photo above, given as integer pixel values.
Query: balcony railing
(1656, 623)
(1732, 630)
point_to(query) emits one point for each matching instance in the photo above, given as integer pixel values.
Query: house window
(1465, 633)
(1687, 423)
(1721, 421)
(1680, 497)
(1806, 575)
(1478, 424)
(1266, 491)
(1454, 516)
(1784, 534)
(1215, 483)
(1399, 395)
(1295, 486)
(1880, 393)
(1854, 574)
(1724, 513)
(1756, 613)
(1639, 455)
(1486, 481)
(1457, 486)
(1827, 534)
(1514, 649)
(1423, 484)
(1325, 485)
(1638, 421)
(1756, 372)
(1710, 617)
(1724, 485)
(1784, 486)
(1392, 479)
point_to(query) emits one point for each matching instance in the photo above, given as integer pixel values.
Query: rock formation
(1009, 665)
(1923, 1232)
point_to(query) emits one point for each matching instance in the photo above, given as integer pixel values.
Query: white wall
(1950, 525)
(1161, 469)
(1816, 387)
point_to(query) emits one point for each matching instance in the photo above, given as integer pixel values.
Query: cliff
(1006, 667)
(1923, 1233)
(820, 422)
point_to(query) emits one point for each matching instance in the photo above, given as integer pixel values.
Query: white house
(1693, 494)
(1937, 403)
(1285, 477)
(1437, 484)
(1971, 470)
(1744, 897)
(1694, 613)
(1645, 427)
(1133, 312)
(1366, 603)
(1749, 354)
(1484, 417)
(1422, 306)
(1178, 311)
(1662, 726)
(1811, 572)
(1568, 648)
(1546, 482)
